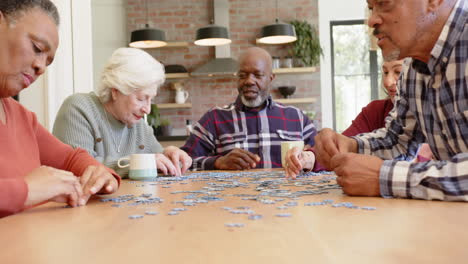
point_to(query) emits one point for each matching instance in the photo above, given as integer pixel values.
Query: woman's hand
(50, 184)
(97, 179)
(296, 160)
(179, 160)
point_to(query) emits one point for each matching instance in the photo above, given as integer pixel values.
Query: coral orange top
(25, 145)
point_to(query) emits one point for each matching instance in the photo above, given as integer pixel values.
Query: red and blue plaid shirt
(221, 130)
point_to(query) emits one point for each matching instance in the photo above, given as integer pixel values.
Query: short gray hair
(129, 70)
(14, 9)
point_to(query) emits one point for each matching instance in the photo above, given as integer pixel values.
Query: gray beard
(253, 103)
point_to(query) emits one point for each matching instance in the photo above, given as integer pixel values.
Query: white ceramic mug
(142, 166)
(287, 145)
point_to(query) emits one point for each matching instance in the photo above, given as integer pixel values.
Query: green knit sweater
(82, 123)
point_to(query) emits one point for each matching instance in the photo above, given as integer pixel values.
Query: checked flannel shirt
(259, 131)
(433, 108)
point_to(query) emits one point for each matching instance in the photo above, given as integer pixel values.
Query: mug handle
(123, 166)
(186, 94)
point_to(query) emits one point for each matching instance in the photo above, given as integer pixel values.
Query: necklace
(112, 132)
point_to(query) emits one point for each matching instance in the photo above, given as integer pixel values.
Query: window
(355, 71)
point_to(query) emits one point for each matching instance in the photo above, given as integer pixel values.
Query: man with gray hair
(433, 108)
(248, 133)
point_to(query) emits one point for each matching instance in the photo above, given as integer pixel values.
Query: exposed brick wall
(181, 18)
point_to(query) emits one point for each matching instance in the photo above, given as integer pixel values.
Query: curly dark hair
(13, 9)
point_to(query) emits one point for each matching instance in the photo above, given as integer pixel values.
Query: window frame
(373, 67)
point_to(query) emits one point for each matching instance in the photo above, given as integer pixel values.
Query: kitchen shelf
(298, 70)
(307, 100)
(176, 44)
(294, 70)
(174, 106)
(183, 75)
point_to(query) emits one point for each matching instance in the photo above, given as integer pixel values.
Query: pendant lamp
(277, 33)
(212, 35)
(147, 37)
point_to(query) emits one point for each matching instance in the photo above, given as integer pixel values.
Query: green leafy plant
(165, 122)
(310, 114)
(154, 117)
(307, 46)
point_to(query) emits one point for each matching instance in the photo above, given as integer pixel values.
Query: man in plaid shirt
(433, 108)
(248, 133)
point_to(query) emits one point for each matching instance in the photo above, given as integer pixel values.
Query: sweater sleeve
(13, 195)
(72, 127)
(59, 155)
(370, 118)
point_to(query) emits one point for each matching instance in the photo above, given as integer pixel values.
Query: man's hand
(328, 143)
(357, 174)
(237, 159)
(296, 160)
(97, 179)
(50, 184)
(178, 158)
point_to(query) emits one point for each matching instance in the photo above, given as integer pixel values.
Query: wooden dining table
(397, 231)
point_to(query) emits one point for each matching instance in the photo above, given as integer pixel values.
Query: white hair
(129, 70)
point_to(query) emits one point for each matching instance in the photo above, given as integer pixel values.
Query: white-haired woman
(109, 123)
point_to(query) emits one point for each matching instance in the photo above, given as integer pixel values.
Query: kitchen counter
(172, 138)
(177, 141)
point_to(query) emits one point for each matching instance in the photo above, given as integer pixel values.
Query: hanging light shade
(278, 33)
(148, 38)
(212, 35)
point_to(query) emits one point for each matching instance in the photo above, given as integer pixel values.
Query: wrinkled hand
(178, 157)
(97, 179)
(296, 160)
(357, 174)
(237, 159)
(50, 184)
(328, 143)
(165, 165)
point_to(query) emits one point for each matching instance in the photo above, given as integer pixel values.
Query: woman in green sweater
(109, 122)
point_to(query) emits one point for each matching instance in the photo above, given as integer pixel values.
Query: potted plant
(161, 126)
(166, 127)
(154, 120)
(307, 46)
